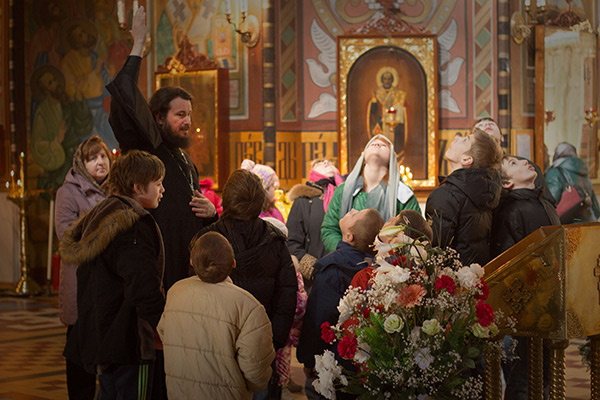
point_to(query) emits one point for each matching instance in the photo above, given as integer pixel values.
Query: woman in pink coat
(81, 191)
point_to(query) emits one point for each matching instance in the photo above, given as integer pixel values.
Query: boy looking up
(460, 209)
(119, 250)
(333, 274)
(522, 207)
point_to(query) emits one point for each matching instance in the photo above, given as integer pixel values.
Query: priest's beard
(173, 140)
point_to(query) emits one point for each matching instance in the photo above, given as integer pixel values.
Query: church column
(268, 61)
(504, 69)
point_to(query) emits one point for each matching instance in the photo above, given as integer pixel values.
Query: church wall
(305, 53)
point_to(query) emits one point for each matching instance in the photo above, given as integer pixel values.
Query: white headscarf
(354, 182)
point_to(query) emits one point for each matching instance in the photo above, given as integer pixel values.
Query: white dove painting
(322, 71)
(449, 67)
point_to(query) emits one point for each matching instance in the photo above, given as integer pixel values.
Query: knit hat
(266, 174)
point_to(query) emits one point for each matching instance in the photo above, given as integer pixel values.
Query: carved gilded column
(595, 361)
(557, 369)
(536, 368)
(492, 382)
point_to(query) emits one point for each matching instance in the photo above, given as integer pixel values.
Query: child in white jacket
(216, 336)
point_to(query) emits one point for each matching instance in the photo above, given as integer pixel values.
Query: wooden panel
(245, 145)
(294, 152)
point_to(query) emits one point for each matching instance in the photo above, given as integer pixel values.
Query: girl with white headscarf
(374, 182)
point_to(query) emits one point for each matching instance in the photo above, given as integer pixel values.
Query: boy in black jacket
(119, 250)
(522, 210)
(460, 209)
(333, 274)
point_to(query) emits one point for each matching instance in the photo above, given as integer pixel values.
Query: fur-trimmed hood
(304, 190)
(92, 233)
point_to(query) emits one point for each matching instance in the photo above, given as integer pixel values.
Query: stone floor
(32, 366)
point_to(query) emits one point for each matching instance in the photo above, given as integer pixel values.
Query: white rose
(431, 327)
(393, 323)
(480, 331)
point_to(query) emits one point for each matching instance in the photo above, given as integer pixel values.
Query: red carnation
(366, 312)
(445, 282)
(485, 290)
(485, 313)
(347, 347)
(327, 334)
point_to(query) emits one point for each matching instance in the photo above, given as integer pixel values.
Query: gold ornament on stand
(16, 192)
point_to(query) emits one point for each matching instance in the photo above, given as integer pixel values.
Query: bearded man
(162, 128)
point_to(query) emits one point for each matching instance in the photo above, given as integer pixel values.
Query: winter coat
(217, 341)
(333, 275)
(460, 211)
(331, 234)
(77, 195)
(521, 211)
(304, 226)
(135, 128)
(118, 248)
(264, 268)
(573, 171)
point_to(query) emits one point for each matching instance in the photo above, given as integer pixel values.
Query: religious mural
(204, 24)
(325, 23)
(73, 50)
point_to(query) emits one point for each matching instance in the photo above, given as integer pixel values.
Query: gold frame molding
(210, 116)
(424, 49)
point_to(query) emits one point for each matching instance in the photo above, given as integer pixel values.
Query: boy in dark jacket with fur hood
(333, 274)
(461, 209)
(119, 250)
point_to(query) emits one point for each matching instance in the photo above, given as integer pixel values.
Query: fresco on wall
(73, 49)
(451, 21)
(204, 24)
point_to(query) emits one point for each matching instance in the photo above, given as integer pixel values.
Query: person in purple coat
(82, 189)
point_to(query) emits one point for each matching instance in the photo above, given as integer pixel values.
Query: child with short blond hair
(216, 336)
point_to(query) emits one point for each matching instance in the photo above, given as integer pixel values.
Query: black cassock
(135, 128)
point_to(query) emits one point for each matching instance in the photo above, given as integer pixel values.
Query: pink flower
(411, 295)
(347, 347)
(327, 334)
(444, 282)
(485, 313)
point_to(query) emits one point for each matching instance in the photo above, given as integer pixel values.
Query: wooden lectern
(549, 283)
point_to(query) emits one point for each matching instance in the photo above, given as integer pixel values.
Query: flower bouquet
(417, 332)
